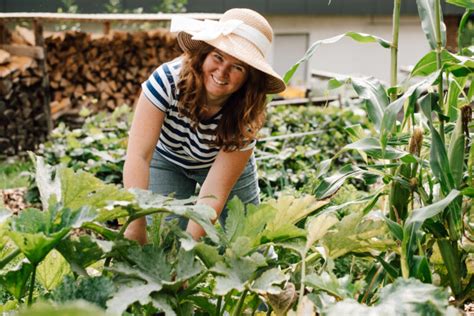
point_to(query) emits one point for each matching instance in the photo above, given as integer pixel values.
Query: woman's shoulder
(171, 67)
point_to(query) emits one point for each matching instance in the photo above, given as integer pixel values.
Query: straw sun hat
(241, 33)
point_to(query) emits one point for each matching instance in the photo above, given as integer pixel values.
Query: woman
(197, 116)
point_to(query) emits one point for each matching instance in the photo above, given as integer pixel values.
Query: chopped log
(27, 35)
(4, 57)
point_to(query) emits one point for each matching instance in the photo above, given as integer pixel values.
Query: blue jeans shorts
(168, 178)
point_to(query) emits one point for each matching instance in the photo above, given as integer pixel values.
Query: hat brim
(241, 49)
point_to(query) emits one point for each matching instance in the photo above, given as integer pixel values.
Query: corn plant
(419, 150)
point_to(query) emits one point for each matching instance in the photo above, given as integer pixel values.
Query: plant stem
(394, 47)
(32, 286)
(9, 257)
(439, 49)
(404, 261)
(218, 306)
(195, 283)
(238, 309)
(462, 24)
(452, 261)
(303, 278)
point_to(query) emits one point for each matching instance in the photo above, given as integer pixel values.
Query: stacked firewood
(103, 72)
(23, 121)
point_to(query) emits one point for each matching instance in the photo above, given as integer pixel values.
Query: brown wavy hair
(243, 114)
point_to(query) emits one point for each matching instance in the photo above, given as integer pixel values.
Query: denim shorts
(168, 178)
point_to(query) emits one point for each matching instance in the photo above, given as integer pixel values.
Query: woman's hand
(215, 190)
(137, 231)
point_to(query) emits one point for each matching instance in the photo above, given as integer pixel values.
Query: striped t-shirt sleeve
(159, 87)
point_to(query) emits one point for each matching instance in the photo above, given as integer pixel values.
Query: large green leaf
(359, 37)
(15, 280)
(51, 271)
(340, 288)
(81, 252)
(358, 233)
(291, 210)
(187, 266)
(131, 292)
(427, 13)
(403, 297)
(37, 232)
(319, 226)
(201, 214)
(81, 188)
(268, 281)
(47, 181)
(235, 273)
(245, 230)
(468, 4)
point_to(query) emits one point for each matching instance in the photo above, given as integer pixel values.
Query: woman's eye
(239, 68)
(218, 57)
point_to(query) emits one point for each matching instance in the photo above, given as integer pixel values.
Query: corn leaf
(438, 156)
(456, 84)
(426, 11)
(392, 110)
(372, 147)
(456, 153)
(427, 64)
(359, 37)
(331, 184)
(468, 4)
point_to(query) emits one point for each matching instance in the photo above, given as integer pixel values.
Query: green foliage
(14, 173)
(403, 297)
(284, 161)
(95, 290)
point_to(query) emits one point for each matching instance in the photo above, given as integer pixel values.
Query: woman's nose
(224, 70)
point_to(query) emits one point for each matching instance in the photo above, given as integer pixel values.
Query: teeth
(218, 81)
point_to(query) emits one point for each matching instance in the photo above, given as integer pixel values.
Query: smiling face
(223, 75)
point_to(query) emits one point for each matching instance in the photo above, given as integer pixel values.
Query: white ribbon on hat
(208, 30)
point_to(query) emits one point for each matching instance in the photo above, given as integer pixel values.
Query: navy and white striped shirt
(179, 143)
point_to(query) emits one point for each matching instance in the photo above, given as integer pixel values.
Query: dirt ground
(13, 199)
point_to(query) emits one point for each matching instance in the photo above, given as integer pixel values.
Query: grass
(13, 173)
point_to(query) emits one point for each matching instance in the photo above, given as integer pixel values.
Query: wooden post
(3, 33)
(39, 42)
(106, 27)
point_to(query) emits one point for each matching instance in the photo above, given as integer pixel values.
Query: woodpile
(102, 72)
(23, 121)
(99, 72)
